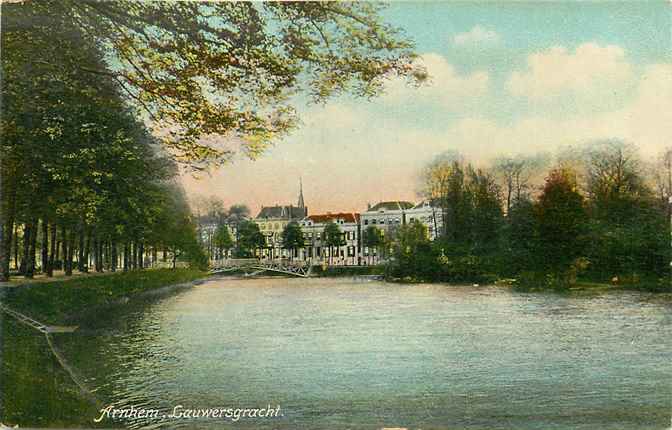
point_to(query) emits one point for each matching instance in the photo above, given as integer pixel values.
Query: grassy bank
(55, 302)
(35, 390)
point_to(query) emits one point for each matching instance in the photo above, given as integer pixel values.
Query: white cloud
(477, 36)
(645, 121)
(591, 71)
(349, 154)
(445, 87)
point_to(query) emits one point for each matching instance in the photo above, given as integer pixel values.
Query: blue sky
(507, 78)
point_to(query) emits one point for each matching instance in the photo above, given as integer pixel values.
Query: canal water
(356, 354)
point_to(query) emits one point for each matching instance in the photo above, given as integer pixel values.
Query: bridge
(256, 266)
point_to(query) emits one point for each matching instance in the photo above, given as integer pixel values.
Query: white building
(316, 250)
(428, 215)
(393, 214)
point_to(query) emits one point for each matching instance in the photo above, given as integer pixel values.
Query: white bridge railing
(296, 268)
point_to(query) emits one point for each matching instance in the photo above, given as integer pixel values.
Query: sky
(507, 79)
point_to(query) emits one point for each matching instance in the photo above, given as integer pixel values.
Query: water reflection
(341, 353)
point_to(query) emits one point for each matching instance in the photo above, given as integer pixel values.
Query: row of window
(351, 251)
(382, 221)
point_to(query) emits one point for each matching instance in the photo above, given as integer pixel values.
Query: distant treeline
(598, 213)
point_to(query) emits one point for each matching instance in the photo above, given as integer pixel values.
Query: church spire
(301, 203)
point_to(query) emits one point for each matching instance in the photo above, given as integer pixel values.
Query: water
(342, 353)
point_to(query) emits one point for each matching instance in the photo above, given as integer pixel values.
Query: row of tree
(83, 181)
(82, 176)
(599, 212)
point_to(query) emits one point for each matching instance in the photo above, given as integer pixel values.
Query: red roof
(324, 218)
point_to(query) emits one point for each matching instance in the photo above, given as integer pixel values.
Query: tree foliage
(250, 239)
(79, 170)
(292, 236)
(218, 78)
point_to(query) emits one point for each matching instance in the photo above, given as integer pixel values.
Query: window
(366, 222)
(373, 221)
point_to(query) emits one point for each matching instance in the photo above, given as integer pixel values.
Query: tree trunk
(81, 262)
(126, 256)
(113, 255)
(68, 244)
(6, 248)
(25, 259)
(45, 246)
(87, 250)
(141, 253)
(96, 253)
(32, 260)
(52, 253)
(16, 246)
(69, 254)
(101, 257)
(64, 247)
(108, 254)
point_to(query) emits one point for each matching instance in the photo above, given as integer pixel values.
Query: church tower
(301, 204)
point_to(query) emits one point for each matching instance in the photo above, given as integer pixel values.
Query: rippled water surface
(342, 353)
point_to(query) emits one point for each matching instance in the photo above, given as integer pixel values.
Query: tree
(520, 239)
(217, 76)
(470, 202)
(663, 178)
(292, 237)
(372, 238)
(413, 253)
(516, 174)
(333, 238)
(485, 217)
(443, 183)
(614, 178)
(81, 165)
(223, 240)
(561, 217)
(250, 238)
(625, 213)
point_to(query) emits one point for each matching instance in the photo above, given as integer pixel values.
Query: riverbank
(60, 302)
(36, 391)
(348, 271)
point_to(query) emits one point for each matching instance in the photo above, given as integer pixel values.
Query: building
(428, 215)
(316, 250)
(272, 220)
(386, 215)
(392, 214)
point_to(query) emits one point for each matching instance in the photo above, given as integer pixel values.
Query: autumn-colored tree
(561, 218)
